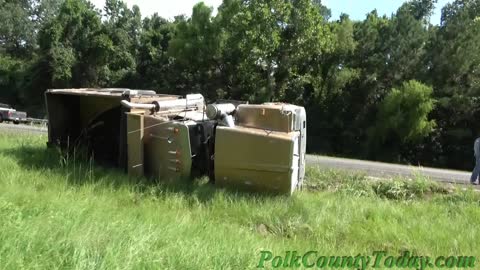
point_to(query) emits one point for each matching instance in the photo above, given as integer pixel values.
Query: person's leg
(476, 170)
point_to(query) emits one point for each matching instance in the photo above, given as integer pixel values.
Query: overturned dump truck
(257, 147)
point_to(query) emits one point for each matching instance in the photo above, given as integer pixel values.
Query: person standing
(476, 170)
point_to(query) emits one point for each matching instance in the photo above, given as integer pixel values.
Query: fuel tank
(264, 151)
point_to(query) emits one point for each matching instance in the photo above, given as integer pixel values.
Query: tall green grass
(59, 212)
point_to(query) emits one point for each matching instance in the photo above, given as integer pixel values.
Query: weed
(103, 219)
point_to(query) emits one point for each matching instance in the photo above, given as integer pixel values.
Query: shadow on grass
(78, 170)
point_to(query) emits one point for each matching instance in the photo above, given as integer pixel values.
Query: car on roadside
(9, 114)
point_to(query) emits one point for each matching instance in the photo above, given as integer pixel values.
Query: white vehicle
(8, 113)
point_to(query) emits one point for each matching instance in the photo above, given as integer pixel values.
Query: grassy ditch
(60, 212)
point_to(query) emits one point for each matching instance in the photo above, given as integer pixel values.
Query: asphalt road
(384, 170)
(22, 128)
(375, 169)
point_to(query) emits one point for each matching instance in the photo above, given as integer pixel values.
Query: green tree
(453, 70)
(74, 46)
(154, 68)
(45, 10)
(11, 80)
(252, 33)
(387, 52)
(403, 116)
(405, 42)
(329, 99)
(304, 56)
(324, 11)
(195, 48)
(123, 27)
(17, 35)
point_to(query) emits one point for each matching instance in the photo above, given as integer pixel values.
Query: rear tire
(16, 122)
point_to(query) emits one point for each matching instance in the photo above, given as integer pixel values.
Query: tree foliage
(403, 113)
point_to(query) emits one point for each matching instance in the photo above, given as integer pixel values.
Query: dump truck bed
(94, 119)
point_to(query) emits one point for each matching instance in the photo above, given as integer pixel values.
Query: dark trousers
(476, 170)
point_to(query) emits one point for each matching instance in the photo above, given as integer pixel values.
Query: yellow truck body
(257, 147)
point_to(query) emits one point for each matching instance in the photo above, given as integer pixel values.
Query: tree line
(392, 88)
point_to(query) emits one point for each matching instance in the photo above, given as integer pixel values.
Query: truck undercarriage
(255, 147)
